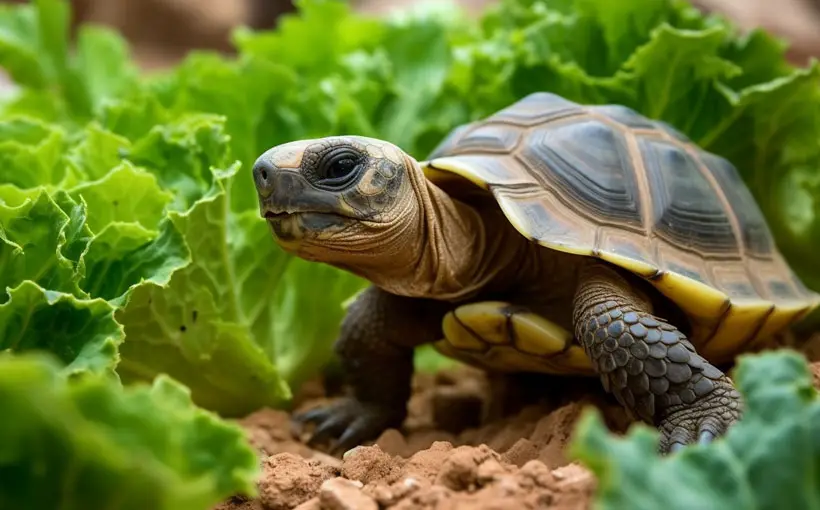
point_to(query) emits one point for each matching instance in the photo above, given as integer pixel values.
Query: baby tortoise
(549, 237)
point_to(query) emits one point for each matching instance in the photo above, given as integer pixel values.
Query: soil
(458, 450)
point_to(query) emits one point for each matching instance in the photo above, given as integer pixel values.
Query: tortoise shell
(604, 181)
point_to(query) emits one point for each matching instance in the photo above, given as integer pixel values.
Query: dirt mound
(469, 443)
(457, 449)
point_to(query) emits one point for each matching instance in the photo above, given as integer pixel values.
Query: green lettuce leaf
(34, 49)
(126, 194)
(135, 114)
(305, 317)
(182, 153)
(42, 240)
(96, 152)
(33, 41)
(125, 255)
(82, 333)
(103, 64)
(30, 152)
(198, 327)
(207, 82)
(96, 445)
(778, 429)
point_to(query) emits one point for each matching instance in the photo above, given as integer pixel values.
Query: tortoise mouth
(270, 215)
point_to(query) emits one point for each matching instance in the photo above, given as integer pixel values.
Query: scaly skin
(375, 347)
(648, 365)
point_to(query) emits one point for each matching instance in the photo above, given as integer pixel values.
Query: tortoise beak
(284, 191)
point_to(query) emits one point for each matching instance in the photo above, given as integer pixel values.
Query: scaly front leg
(651, 367)
(375, 347)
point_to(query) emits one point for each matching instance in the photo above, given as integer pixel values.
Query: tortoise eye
(339, 167)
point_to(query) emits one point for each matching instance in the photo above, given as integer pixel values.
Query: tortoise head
(338, 198)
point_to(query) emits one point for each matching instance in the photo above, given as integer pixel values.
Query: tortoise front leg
(648, 365)
(375, 347)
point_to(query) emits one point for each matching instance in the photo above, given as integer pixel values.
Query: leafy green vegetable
(199, 326)
(767, 460)
(30, 151)
(125, 255)
(296, 314)
(42, 241)
(80, 332)
(124, 195)
(91, 444)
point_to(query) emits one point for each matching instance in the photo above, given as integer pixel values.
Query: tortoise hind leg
(648, 365)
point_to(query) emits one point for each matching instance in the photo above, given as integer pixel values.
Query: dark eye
(339, 167)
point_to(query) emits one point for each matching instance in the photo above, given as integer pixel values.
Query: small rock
(311, 504)
(488, 471)
(370, 464)
(572, 473)
(326, 459)
(433, 498)
(459, 471)
(538, 473)
(288, 480)
(342, 494)
(427, 463)
(382, 493)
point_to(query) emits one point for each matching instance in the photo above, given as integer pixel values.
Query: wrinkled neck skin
(432, 246)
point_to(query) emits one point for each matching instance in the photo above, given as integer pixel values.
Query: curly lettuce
(91, 444)
(769, 459)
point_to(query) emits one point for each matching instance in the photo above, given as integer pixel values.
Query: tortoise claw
(706, 437)
(676, 447)
(701, 422)
(349, 422)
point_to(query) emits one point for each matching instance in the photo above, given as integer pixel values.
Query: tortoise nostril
(263, 172)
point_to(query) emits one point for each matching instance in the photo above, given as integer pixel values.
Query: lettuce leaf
(124, 195)
(182, 153)
(96, 445)
(42, 240)
(82, 333)
(778, 429)
(199, 325)
(30, 152)
(125, 255)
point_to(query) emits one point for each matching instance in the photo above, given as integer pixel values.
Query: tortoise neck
(454, 250)
(448, 261)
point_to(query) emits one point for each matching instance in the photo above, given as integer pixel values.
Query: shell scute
(623, 115)
(587, 161)
(491, 138)
(687, 209)
(537, 108)
(755, 233)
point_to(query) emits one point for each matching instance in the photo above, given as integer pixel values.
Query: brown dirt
(458, 449)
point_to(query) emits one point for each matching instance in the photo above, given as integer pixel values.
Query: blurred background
(162, 31)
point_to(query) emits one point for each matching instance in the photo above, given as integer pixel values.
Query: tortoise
(548, 237)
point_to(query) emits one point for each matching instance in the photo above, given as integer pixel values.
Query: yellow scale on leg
(501, 337)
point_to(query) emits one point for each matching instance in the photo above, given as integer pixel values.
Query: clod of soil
(458, 449)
